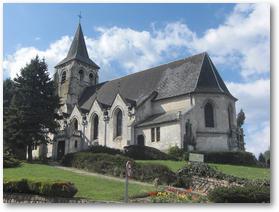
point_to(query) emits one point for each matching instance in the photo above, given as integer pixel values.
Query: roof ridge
(155, 67)
(200, 70)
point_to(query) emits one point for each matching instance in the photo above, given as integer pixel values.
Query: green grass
(90, 187)
(244, 171)
(235, 170)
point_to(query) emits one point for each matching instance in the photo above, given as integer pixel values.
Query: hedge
(233, 158)
(204, 170)
(115, 165)
(52, 189)
(105, 149)
(138, 152)
(235, 194)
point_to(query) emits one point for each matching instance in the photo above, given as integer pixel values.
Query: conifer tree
(32, 115)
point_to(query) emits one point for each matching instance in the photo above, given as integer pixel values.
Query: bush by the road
(138, 152)
(235, 194)
(115, 165)
(52, 189)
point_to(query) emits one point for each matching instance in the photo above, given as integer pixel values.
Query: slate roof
(190, 75)
(159, 119)
(78, 50)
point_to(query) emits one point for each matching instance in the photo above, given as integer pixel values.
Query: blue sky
(125, 38)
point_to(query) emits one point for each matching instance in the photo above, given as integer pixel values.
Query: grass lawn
(235, 170)
(91, 187)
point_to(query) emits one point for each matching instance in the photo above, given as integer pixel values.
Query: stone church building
(184, 103)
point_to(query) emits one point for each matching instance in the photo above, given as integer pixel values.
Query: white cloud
(245, 36)
(254, 99)
(54, 53)
(137, 50)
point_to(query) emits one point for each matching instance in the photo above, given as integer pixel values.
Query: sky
(126, 38)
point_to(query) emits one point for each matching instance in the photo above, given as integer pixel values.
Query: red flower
(152, 193)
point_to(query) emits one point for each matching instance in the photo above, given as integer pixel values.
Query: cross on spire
(79, 17)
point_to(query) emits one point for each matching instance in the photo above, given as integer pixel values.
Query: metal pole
(126, 188)
(105, 143)
(128, 174)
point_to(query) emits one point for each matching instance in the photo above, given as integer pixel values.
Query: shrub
(104, 149)
(97, 162)
(237, 158)
(235, 194)
(204, 170)
(10, 162)
(176, 152)
(146, 153)
(115, 165)
(149, 172)
(183, 182)
(53, 189)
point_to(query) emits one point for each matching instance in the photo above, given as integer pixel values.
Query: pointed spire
(78, 50)
(209, 79)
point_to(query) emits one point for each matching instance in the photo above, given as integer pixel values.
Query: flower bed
(175, 195)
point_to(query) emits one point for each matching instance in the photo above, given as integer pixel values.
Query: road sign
(193, 157)
(129, 168)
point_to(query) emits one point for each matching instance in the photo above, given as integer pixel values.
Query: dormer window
(63, 77)
(81, 75)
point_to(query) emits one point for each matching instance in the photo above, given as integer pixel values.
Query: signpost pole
(128, 174)
(126, 189)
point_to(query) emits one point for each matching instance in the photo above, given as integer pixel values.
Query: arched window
(81, 75)
(91, 77)
(118, 126)
(208, 115)
(75, 124)
(95, 126)
(63, 77)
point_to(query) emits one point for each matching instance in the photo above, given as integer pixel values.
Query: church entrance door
(60, 150)
(140, 140)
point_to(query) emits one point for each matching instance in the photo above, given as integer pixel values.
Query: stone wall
(204, 184)
(30, 198)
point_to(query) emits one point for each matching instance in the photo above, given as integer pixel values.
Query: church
(183, 103)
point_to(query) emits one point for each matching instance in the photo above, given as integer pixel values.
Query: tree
(32, 115)
(267, 157)
(240, 132)
(240, 118)
(261, 158)
(8, 93)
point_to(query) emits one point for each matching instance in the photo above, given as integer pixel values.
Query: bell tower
(74, 73)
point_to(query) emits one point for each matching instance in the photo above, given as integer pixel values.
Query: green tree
(8, 93)
(32, 115)
(261, 158)
(240, 118)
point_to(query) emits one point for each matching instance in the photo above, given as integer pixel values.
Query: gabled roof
(78, 50)
(193, 74)
(159, 119)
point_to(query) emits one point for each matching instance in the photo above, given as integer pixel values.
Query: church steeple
(78, 50)
(76, 72)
